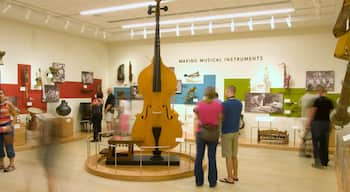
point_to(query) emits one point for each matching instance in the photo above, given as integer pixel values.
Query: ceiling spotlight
(47, 19)
(82, 30)
(28, 14)
(132, 33)
(66, 25)
(145, 33)
(212, 18)
(232, 26)
(177, 30)
(250, 24)
(192, 29)
(210, 27)
(6, 8)
(104, 35)
(272, 22)
(289, 21)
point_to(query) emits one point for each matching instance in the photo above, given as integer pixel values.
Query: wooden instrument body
(156, 109)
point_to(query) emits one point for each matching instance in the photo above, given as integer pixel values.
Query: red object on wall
(24, 79)
(70, 89)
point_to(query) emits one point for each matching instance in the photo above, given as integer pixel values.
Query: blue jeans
(198, 165)
(8, 144)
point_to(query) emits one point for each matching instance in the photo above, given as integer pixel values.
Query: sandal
(235, 178)
(10, 168)
(226, 180)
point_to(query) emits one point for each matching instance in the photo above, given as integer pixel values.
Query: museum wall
(301, 51)
(38, 48)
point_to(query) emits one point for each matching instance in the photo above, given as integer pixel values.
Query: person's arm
(310, 116)
(13, 114)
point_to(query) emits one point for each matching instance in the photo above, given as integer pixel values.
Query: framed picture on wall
(264, 102)
(87, 77)
(179, 87)
(134, 92)
(323, 78)
(58, 72)
(51, 93)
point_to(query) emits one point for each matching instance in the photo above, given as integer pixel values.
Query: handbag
(209, 132)
(342, 49)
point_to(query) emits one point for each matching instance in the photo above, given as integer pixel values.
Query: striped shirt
(5, 115)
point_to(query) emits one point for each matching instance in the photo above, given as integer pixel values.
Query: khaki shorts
(229, 144)
(109, 116)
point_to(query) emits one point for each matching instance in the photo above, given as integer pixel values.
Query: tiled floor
(259, 170)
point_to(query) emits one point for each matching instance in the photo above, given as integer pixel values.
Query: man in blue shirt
(230, 132)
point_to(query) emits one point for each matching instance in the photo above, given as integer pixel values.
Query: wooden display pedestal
(64, 127)
(55, 126)
(20, 135)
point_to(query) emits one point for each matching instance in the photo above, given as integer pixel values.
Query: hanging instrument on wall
(286, 77)
(130, 73)
(2, 54)
(120, 74)
(340, 116)
(157, 124)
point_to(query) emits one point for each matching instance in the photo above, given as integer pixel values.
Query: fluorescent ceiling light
(121, 7)
(212, 18)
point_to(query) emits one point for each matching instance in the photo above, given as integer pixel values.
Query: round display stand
(96, 165)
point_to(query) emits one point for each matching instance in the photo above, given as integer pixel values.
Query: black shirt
(110, 100)
(323, 108)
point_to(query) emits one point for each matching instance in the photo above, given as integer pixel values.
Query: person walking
(320, 127)
(306, 102)
(7, 110)
(109, 110)
(96, 108)
(230, 132)
(208, 112)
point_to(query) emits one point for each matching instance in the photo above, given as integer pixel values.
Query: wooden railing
(343, 159)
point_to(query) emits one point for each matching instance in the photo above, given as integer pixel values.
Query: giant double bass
(157, 124)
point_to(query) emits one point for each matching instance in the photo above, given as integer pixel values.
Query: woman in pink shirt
(208, 111)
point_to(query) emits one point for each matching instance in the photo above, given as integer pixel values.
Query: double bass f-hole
(167, 112)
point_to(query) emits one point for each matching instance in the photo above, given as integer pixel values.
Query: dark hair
(210, 93)
(99, 95)
(216, 95)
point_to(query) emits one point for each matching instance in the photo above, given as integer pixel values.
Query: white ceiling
(308, 13)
